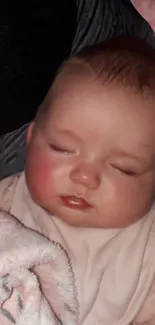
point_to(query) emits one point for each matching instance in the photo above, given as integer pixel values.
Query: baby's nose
(86, 175)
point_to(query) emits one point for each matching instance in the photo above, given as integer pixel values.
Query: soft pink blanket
(36, 278)
(147, 10)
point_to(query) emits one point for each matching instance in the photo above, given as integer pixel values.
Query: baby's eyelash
(56, 148)
(125, 171)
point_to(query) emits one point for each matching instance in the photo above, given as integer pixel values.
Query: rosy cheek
(39, 172)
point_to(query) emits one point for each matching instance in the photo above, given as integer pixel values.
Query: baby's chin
(80, 219)
(76, 219)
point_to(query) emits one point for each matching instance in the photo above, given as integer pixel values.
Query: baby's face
(92, 163)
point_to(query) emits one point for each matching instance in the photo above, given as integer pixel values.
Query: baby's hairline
(119, 76)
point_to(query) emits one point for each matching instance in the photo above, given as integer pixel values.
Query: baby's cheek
(39, 174)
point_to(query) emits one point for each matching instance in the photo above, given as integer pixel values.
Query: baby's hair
(127, 61)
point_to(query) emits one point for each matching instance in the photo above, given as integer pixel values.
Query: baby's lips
(75, 202)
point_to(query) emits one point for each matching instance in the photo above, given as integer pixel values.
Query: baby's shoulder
(7, 187)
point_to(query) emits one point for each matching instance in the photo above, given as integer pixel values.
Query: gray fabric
(104, 19)
(12, 152)
(97, 20)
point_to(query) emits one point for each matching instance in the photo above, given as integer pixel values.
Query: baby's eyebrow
(67, 133)
(148, 148)
(133, 156)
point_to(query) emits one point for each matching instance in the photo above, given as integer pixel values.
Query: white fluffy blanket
(36, 278)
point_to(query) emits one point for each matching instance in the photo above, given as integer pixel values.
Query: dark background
(35, 37)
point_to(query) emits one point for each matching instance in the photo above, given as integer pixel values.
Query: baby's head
(91, 149)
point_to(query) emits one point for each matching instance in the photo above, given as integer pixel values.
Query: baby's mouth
(75, 202)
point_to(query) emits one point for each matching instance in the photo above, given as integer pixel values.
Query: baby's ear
(30, 132)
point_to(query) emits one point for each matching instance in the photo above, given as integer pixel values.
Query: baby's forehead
(74, 84)
(75, 74)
